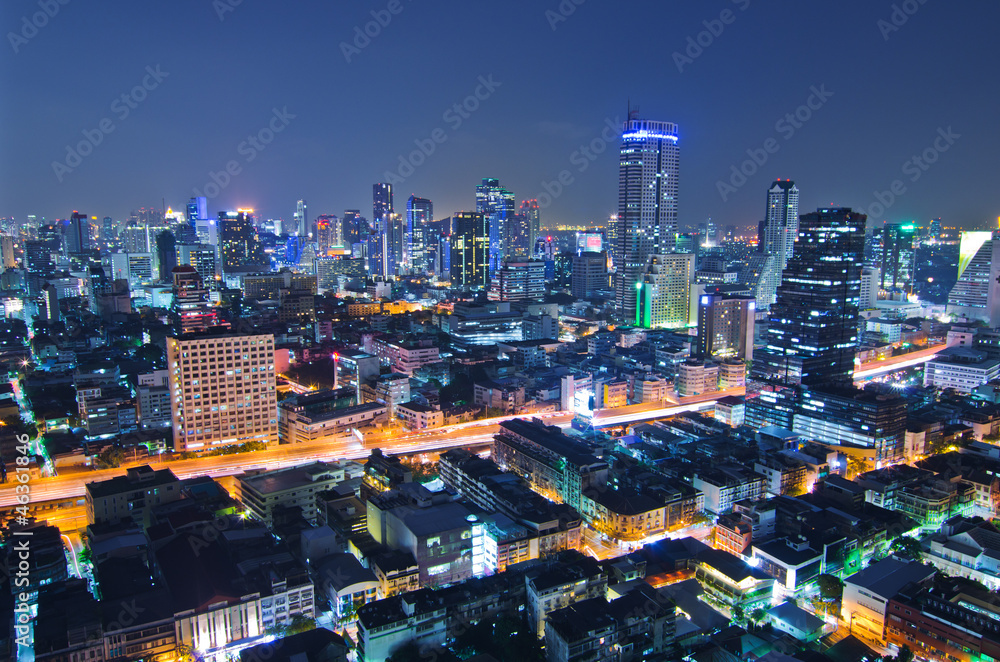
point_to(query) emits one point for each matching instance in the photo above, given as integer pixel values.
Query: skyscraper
(776, 236)
(166, 255)
(496, 204)
(327, 234)
(77, 235)
(380, 254)
(647, 204)
(419, 213)
(192, 310)
(531, 209)
(301, 219)
(812, 333)
(897, 256)
(521, 280)
(241, 249)
(976, 295)
(470, 234)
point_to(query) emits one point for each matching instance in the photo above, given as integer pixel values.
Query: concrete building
(419, 417)
(724, 486)
(554, 465)
(961, 369)
(696, 376)
(129, 498)
(867, 593)
(222, 388)
(561, 586)
(406, 356)
(725, 326)
(664, 292)
(295, 487)
(325, 415)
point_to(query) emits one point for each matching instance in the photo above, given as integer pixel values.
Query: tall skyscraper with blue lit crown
(647, 204)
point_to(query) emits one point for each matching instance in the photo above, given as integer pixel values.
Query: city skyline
(693, 85)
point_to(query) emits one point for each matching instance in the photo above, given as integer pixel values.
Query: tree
(758, 614)
(739, 614)
(905, 655)
(907, 548)
(830, 587)
(300, 623)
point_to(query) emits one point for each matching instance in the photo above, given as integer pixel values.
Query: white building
(664, 292)
(961, 369)
(976, 295)
(418, 417)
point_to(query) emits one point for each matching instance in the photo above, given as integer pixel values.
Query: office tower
(897, 256)
(240, 246)
(328, 230)
(725, 325)
(77, 235)
(518, 236)
(192, 309)
(663, 294)
(776, 236)
(397, 243)
(133, 268)
(519, 281)
(8, 257)
(936, 227)
(470, 237)
(419, 214)
(197, 209)
(647, 205)
(590, 275)
(870, 279)
(204, 260)
(531, 209)
(380, 242)
(812, 331)
(222, 390)
(108, 234)
(976, 294)
(496, 204)
(166, 255)
(300, 220)
(355, 228)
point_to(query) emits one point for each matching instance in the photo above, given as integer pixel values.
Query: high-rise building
(8, 258)
(870, 279)
(496, 204)
(725, 325)
(976, 294)
(301, 220)
(419, 214)
(222, 390)
(328, 235)
(590, 275)
(531, 209)
(380, 253)
(192, 310)
(204, 260)
(664, 292)
(166, 255)
(241, 249)
(776, 236)
(647, 205)
(470, 236)
(77, 235)
(898, 254)
(354, 228)
(519, 281)
(812, 330)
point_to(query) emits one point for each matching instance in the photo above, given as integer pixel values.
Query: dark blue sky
(557, 88)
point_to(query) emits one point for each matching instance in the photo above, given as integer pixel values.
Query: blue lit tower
(496, 204)
(419, 213)
(380, 254)
(647, 203)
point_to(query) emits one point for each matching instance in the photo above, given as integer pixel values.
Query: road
(72, 485)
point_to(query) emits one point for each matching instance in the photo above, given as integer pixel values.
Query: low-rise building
(867, 594)
(791, 561)
(129, 498)
(724, 486)
(561, 586)
(295, 487)
(419, 417)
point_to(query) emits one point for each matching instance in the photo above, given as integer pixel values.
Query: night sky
(888, 91)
